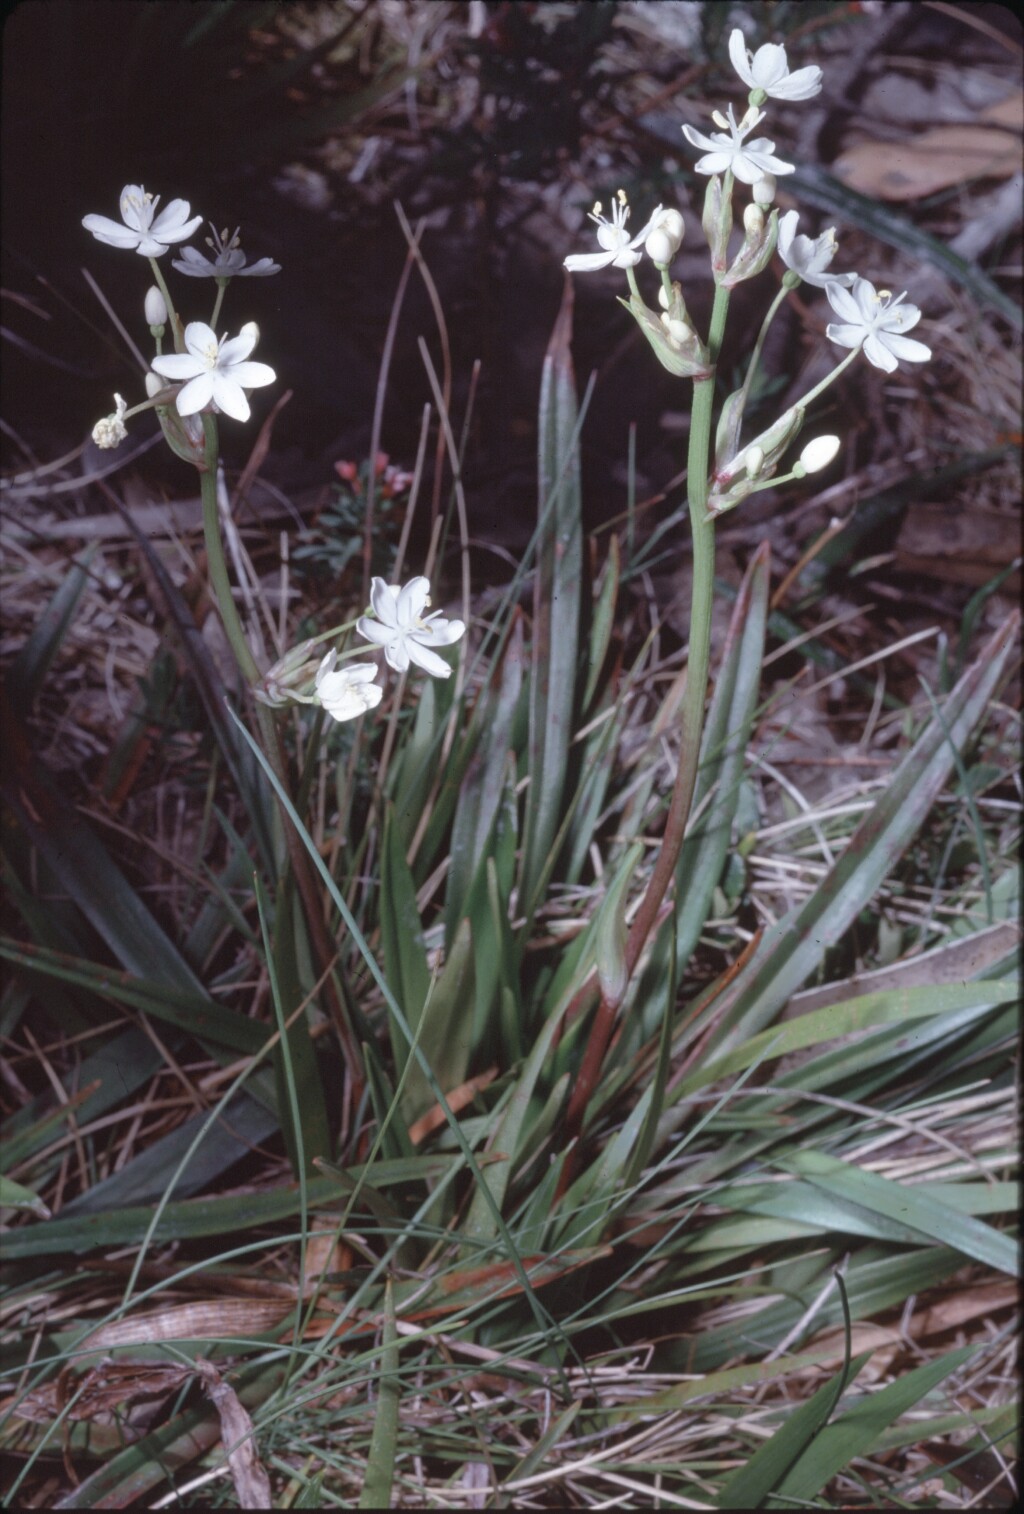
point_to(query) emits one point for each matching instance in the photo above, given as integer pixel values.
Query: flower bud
(753, 461)
(677, 346)
(763, 192)
(156, 307)
(753, 220)
(154, 385)
(819, 453)
(665, 238)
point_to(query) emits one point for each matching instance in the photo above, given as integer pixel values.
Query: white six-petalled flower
(874, 320)
(140, 231)
(768, 70)
(228, 261)
(809, 257)
(619, 250)
(216, 371)
(748, 161)
(348, 691)
(405, 633)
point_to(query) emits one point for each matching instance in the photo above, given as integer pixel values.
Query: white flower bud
(819, 453)
(763, 191)
(665, 238)
(154, 384)
(156, 307)
(753, 461)
(753, 220)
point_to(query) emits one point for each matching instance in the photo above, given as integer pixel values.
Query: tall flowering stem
(692, 724)
(220, 583)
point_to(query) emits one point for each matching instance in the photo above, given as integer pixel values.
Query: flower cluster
(870, 321)
(214, 373)
(397, 625)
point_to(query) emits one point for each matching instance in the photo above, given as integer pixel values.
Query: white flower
(665, 237)
(110, 431)
(218, 371)
(749, 161)
(809, 257)
(403, 631)
(872, 319)
(348, 691)
(140, 231)
(768, 70)
(228, 262)
(819, 453)
(619, 251)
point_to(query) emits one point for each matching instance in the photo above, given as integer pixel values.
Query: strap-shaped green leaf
(556, 607)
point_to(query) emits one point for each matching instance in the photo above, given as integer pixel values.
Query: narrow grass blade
(835, 1022)
(483, 785)
(26, 673)
(193, 1219)
(793, 947)
(603, 624)
(556, 608)
(724, 747)
(380, 1460)
(855, 1432)
(405, 959)
(301, 1105)
(907, 1206)
(751, 1484)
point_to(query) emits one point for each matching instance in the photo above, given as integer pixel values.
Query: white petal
(260, 269)
(769, 66)
(106, 230)
(179, 365)
(237, 348)
(739, 56)
(374, 630)
(427, 660)
(800, 85)
(382, 598)
(229, 395)
(787, 231)
(196, 395)
(412, 601)
(698, 139)
(878, 354)
(586, 262)
(442, 633)
(906, 348)
(845, 336)
(843, 302)
(252, 375)
(396, 654)
(199, 338)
